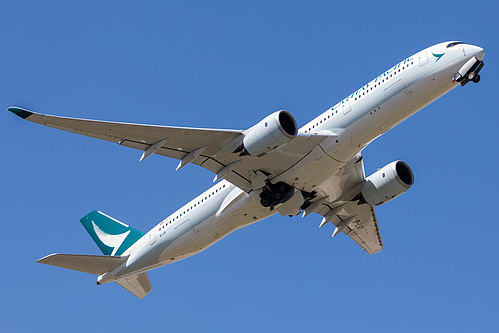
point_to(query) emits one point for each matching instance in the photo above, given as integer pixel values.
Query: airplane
(272, 167)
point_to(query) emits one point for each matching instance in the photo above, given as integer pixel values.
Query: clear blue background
(228, 64)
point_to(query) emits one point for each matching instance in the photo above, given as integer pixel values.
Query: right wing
(355, 220)
(338, 202)
(364, 230)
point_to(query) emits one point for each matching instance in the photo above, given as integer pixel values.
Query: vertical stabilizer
(111, 236)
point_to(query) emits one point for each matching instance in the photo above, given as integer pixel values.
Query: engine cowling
(273, 132)
(387, 183)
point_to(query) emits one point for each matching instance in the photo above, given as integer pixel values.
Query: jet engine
(270, 134)
(387, 183)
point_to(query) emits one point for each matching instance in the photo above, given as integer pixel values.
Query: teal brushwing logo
(112, 241)
(438, 56)
(111, 236)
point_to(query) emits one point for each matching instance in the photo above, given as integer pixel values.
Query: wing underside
(364, 230)
(212, 149)
(338, 203)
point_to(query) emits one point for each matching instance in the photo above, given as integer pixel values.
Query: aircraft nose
(476, 51)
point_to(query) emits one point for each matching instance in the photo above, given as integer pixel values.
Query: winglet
(23, 113)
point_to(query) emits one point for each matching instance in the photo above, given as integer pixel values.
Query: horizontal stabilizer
(138, 284)
(92, 264)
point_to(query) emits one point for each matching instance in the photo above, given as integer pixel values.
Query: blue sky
(228, 64)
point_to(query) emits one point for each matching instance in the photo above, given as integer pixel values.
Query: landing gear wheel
(471, 76)
(265, 202)
(275, 194)
(278, 195)
(280, 189)
(476, 79)
(265, 199)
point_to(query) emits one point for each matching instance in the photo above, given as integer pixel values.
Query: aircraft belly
(312, 170)
(203, 235)
(195, 244)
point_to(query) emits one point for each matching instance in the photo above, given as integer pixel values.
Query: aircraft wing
(355, 220)
(364, 230)
(338, 202)
(213, 149)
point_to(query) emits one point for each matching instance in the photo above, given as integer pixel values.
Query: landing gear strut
(471, 74)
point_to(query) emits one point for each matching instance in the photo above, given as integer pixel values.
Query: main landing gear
(274, 194)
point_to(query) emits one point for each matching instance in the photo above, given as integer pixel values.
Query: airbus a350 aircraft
(271, 167)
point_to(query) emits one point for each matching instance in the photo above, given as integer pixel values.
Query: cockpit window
(454, 44)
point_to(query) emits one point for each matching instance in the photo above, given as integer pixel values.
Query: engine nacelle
(270, 134)
(387, 183)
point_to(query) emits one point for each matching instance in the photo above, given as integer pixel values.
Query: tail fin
(111, 236)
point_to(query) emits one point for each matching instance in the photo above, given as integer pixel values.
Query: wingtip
(44, 259)
(20, 112)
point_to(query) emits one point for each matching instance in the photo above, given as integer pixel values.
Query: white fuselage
(361, 117)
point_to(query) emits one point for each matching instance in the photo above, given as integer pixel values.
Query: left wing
(338, 202)
(213, 149)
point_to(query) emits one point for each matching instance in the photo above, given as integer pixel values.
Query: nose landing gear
(471, 70)
(474, 77)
